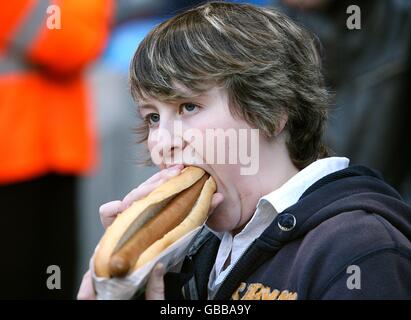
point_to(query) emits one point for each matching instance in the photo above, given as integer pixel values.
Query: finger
(140, 192)
(86, 291)
(217, 199)
(145, 188)
(163, 173)
(170, 172)
(155, 284)
(109, 211)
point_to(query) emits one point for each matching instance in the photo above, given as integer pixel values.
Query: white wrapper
(124, 288)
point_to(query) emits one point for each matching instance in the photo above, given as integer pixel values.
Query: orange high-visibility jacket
(45, 120)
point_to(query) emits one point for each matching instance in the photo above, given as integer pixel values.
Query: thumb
(155, 284)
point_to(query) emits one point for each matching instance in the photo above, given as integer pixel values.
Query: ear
(282, 121)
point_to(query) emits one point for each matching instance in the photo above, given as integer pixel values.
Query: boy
(304, 225)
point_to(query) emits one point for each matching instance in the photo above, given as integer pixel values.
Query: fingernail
(173, 172)
(176, 166)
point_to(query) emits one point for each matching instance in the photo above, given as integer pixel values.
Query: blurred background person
(368, 70)
(47, 137)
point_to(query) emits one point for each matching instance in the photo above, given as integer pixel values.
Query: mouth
(167, 166)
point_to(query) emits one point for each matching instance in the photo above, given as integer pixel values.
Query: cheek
(155, 150)
(150, 143)
(198, 123)
(153, 138)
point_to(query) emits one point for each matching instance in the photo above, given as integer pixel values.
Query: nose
(170, 150)
(169, 142)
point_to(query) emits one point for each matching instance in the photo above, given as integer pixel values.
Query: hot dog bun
(151, 224)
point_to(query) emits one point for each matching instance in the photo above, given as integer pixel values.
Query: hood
(353, 188)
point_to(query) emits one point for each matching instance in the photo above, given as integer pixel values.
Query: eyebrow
(151, 106)
(146, 106)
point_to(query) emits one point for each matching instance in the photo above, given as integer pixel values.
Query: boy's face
(195, 132)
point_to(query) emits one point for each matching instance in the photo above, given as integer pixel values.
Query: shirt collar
(289, 193)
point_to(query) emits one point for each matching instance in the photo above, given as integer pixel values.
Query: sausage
(164, 221)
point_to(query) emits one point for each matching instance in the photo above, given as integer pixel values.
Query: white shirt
(267, 208)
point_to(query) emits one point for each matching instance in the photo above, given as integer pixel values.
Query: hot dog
(153, 223)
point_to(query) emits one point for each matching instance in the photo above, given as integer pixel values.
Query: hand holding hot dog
(108, 213)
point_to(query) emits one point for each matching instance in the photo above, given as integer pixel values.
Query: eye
(188, 108)
(152, 118)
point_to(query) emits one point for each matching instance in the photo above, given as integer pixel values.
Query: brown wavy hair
(267, 63)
